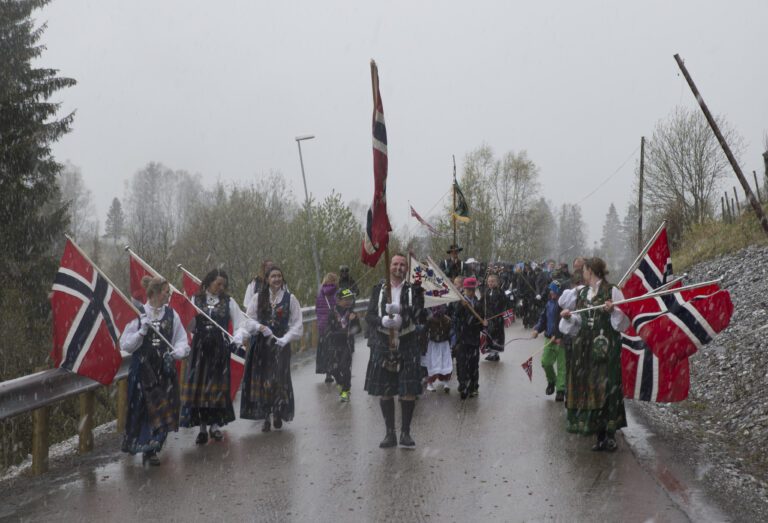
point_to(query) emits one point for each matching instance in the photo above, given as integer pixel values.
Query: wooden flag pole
(119, 292)
(451, 286)
(727, 150)
(174, 289)
(453, 190)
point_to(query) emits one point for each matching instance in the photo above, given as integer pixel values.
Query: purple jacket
(324, 304)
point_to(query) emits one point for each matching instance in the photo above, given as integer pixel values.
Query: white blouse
(132, 339)
(295, 320)
(571, 326)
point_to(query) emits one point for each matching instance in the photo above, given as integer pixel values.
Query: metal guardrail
(35, 392)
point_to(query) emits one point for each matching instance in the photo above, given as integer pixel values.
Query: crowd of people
(412, 347)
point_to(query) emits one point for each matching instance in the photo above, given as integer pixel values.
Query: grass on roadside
(716, 238)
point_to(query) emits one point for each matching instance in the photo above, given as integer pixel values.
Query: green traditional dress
(595, 401)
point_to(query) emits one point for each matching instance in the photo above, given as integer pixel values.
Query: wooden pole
(733, 208)
(453, 190)
(722, 212)
(732, 159)
(640, 196)
(736, 198)
(85, 430)
(122, 405)
(39, 441)
(728, 206)
(757, 187)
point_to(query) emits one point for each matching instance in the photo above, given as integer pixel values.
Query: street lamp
(315, 257)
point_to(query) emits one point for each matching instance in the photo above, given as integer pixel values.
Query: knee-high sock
(388, 411)
(406, 409)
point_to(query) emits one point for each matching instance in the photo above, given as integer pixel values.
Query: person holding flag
(205, 393)
(153, 394)
(495, 302)
(595, 401)
(554, 350)
(275, 322)
(394, 367)
(468, 329)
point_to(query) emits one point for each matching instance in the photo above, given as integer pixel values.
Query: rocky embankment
(722, 428)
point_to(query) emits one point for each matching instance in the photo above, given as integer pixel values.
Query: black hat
(454, 247)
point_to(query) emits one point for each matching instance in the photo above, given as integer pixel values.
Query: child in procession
(342, 326)
(554, 350)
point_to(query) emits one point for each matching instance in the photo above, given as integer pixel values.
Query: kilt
(407, 381)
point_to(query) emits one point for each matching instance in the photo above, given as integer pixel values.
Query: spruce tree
(31, 213)
(115, 220)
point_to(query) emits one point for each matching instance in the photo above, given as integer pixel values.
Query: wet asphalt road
(503, 456)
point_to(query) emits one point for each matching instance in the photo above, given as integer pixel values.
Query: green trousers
(554, 355)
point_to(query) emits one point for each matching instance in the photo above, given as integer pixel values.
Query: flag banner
(433, 282)
(191, 284)
(483, 342)
(89, 315)
(509, 317)
(677, 325)
(646, 377)
(377, 226)
(528, 368)
(461, 211)
(423, 222)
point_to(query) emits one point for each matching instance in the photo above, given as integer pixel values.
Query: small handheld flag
(528, 368)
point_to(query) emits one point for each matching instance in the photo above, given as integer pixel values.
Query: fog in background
(222, 89)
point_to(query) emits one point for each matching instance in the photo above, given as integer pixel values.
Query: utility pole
(727, 150)
(315, 257)
(640, 198)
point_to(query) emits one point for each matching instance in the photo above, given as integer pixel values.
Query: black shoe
(406, 440)
(151, 458)
(610, 445)
(328, 378)
(550, 389)
(267, 426)
(277, 421)
(202, 438)
(463, 395)
(560, 396)
(390, 440)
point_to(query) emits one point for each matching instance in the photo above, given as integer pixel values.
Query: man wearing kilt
(394, 367)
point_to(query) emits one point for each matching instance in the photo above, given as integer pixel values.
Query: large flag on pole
(89, 315)
(436, 289)
(377, 227)
(461, 211)
(191, 284)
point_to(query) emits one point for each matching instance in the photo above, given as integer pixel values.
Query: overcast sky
(222, 88)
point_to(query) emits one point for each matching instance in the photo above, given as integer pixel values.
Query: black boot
(601, 443)
(388, 411)
(406, 409)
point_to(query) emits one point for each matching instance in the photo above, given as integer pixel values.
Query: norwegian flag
(528, 368)
(178, 301)
(665, 330)
(676, 325)
(377, 228)
(423, 222)
(89, 316)
(191, 284)
(509, 317)
(643, 375)
(483, 342)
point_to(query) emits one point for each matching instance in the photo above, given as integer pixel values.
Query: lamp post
(315, 257)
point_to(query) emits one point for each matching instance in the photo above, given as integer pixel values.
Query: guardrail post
(39, 441)
(87, 403)
(314, 335)
(122, 405)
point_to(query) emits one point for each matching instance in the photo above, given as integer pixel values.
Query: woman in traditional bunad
(275, 321)
(595, 401)
(153, 394)
(495, 302)
(205, 394)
